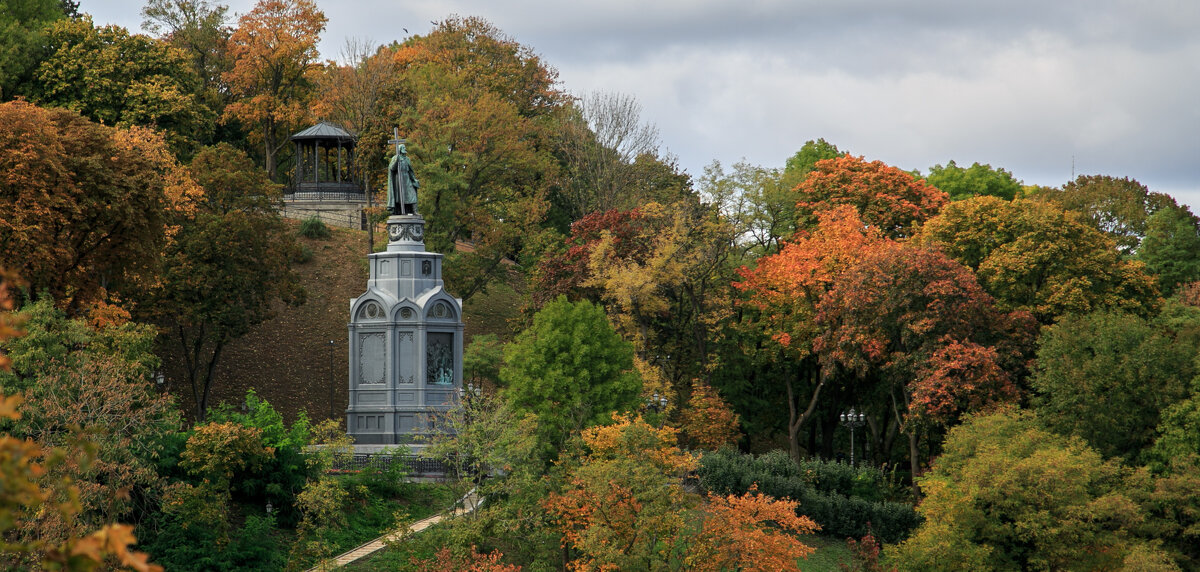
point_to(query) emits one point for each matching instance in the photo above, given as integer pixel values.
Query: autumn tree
(570, 369)
(709, 421)
(476, 108)
(885, 197)
(226, 267)
(1106, 377)
(1171, 247)
(274, 53)
(918, 324)
(624, 507)
(785, 288)
(86, 206)
(661, 273)
(621, 505)
(113, 77)
(1032, 255)
(1119, 208)
(974, 181)
(1008, 495)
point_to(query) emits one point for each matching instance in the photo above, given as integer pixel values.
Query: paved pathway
(467, 504)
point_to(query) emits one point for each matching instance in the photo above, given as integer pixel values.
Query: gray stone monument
(406, 342)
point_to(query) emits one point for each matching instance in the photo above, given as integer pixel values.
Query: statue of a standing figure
(402, 184)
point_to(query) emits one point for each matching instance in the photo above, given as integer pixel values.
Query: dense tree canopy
(113, 77)
(974, 181)
(1118, 207)
(22, 42)
(1107, 376)
(1034, 256)
(85, 206)
(1009, 495)
(886, 197)
(1171, 247)
(570, 369)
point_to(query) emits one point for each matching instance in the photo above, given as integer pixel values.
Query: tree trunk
(796, 420)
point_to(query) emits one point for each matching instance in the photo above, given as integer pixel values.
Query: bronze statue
(402, 184)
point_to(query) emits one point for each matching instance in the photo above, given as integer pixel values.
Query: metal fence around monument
(414, 465)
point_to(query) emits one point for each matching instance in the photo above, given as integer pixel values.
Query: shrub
(313, 227)
(305, 255)
(844, 500)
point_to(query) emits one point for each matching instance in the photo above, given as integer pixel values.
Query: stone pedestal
(406, 342)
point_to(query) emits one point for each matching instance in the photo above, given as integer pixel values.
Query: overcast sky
(1109, 86)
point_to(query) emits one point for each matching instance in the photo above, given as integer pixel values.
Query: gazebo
(324, 159)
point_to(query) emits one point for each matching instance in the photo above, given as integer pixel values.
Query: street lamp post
(331, 379)
(853, 419)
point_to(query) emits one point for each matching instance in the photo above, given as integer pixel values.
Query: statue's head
(403, 151)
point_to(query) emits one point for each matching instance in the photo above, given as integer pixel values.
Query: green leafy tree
(1032, 255)
(225, 268)
(805, 160)
(35, 484)
(79, 378)
(974, 181)
(1008, 495)
(199, 28)
(1171, 247)
(1106, 377)
(570, 369)
(117, 78)
(758, 202)
(22, 41)
(1119, 208)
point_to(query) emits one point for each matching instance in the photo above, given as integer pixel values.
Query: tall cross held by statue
(396, 140)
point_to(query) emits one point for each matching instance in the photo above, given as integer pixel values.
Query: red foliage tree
(918, 323)
(885, 197)
(785, 289)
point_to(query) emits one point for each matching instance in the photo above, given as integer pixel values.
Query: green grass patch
(831, 554)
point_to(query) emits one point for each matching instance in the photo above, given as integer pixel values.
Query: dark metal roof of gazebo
(323, 130)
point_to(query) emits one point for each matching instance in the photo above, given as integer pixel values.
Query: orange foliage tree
(624, 508)
(274, 53)
(885, 197)
(447, 560)
(624, 497)
(85, 206)
(709, 422)
(751, 532)
(785, 289)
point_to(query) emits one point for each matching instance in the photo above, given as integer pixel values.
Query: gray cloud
(1021, 84)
